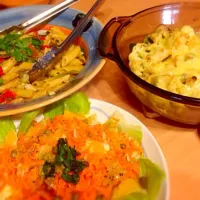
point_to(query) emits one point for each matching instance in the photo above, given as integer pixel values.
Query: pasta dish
(169, 59)
(21, 51)
(68, 155)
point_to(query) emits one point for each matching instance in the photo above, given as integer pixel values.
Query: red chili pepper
(31, 47)
(41, 37)
(7, 96)
(1, 71)
(2, 59)
(44, 46)
(35, 33)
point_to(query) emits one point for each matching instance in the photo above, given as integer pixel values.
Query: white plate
(151, 148)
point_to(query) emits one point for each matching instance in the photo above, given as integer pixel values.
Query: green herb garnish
(65, 158)
(36, 42)
(19, 48)
(48, 169)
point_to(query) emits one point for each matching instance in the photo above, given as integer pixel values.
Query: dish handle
(105, 43)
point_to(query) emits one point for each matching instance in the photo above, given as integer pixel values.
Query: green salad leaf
(27, 120)
(135, 196)
(36, 42)
(54, 109)
(131, 130)
(77, 103)
(7, 125)
(152, 177)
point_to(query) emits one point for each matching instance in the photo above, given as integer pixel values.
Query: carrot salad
(68, 158)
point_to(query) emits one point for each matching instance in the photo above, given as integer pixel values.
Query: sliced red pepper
(7, 96)
(44, 46)
(35, 33)
(2, 59)
(33, 50)
(1, 71)
(41, 37)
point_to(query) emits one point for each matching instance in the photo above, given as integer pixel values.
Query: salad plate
(103, 111)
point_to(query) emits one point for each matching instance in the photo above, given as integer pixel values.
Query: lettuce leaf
(7, 125)
(153, 177)
(135, 196)
(54, 109)
(131, 130)
(77, 103)
(126, 189)
(27, 120)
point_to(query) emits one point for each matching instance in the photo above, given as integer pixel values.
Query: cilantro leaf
(48, 169)
(28, 51)
(26, 42)
(66, 158)
(36, 42)
(18, 47)
(17, 54)
(74, 178)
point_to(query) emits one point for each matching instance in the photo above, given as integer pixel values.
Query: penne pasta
(75, 62)
(9, 77)
(38, 83)
(24, 93)
(58, 65)
(82, 59)
(68, 57)
(57, 81)
(73, 69)
(25, 66)
(55, 89)
(11, 84)
(8, 64)
(39, 94)
(57, 72)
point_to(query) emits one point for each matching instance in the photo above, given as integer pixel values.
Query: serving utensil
(46, 62)
(41, 17)
(33, 22)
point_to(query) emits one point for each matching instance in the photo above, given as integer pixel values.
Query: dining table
(180, 143)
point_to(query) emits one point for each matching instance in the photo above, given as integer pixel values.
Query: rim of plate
(64, 94)
(150, 135)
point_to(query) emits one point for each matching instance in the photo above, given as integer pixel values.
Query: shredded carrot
(109, 164)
